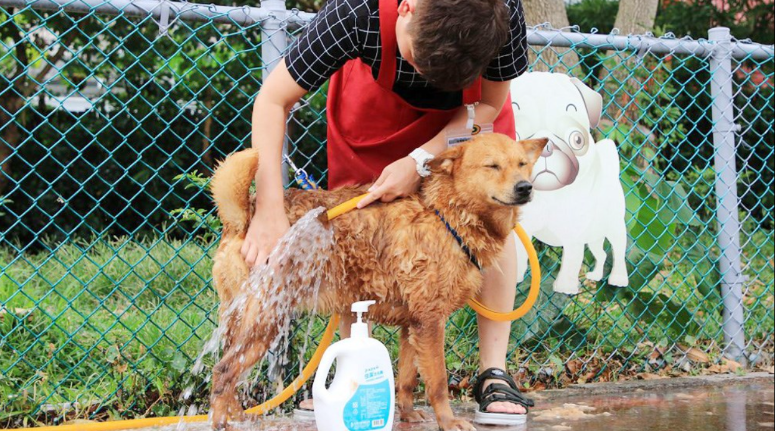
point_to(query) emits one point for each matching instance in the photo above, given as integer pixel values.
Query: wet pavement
(733, 405)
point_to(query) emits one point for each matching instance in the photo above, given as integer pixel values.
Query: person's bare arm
(277, 96)
(400, 178)
(493, 97)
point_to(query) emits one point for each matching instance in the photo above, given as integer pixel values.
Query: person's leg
(498, 292)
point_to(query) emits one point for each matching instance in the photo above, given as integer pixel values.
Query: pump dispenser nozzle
(360, 329)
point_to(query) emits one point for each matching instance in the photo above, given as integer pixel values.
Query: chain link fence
(112, 114)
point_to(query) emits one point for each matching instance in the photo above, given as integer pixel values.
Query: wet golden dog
(400, 254)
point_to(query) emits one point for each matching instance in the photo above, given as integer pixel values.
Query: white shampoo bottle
(361, 396)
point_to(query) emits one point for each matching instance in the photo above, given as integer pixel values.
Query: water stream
(294, 271)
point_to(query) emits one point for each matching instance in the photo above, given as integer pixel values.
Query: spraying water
(294, 272)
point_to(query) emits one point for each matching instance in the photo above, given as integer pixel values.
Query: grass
(110, 329)
(112, 324)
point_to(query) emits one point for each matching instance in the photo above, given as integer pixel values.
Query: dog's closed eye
(522, 163)
(495, 166)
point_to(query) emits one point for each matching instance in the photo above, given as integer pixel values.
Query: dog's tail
(230, 187)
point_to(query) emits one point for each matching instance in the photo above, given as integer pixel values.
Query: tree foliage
(168, 104)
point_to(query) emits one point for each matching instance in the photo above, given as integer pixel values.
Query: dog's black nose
(523, 188)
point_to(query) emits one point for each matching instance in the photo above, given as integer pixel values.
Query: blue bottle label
(369, 408)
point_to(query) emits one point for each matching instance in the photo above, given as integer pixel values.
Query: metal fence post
(724, 130)
(274, 41)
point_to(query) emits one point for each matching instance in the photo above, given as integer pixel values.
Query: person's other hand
(266, 227)
(398, 179)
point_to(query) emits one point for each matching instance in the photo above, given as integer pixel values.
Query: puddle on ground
(566, 412)
(743, 407)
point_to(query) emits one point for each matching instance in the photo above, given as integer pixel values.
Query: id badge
(458, 136)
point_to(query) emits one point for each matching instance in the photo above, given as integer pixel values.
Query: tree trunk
(635, 17)
(207, 154)
(553, 12)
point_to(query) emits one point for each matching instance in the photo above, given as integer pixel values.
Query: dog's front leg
(428, 340)
(567, 280)
(407, 381)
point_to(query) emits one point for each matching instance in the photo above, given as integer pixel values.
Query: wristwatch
(422, 157)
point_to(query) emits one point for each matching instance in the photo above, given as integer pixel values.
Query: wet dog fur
(399, 254)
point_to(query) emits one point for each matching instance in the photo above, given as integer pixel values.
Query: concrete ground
(724, 402)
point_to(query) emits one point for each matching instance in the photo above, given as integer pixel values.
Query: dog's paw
(237, 415)
(620, 280)
(219, 416)
(224, 424)
(594, 275)
(416, 416)
(220, 423)
(225, 409)
(457, 425)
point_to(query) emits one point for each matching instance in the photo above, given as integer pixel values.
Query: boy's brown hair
(454, 40)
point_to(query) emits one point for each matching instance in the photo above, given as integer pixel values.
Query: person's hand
(398, 179)
(266, 227)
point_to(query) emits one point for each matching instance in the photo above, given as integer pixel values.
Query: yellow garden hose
(291, 389)
(344, 208)
(535, 286)
(306, 373)
(328, 336)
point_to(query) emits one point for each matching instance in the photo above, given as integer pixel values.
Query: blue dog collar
(460, 242)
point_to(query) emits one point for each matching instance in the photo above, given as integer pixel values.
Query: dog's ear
(533, 147)
(444, 162)
(592, 100)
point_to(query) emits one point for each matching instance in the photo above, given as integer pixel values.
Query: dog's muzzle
(557, 167)
(523, 191)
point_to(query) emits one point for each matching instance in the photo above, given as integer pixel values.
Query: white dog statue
(578, 198)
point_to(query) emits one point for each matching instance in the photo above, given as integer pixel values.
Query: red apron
(370, 126)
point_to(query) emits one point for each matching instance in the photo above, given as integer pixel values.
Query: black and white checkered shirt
(348, 29)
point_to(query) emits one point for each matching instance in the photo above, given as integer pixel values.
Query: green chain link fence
(113, 113)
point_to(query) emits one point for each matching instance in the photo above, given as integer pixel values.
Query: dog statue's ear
(592, 99)
(534, 147)
(444, 162)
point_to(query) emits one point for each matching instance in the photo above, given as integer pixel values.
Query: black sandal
(497, 392)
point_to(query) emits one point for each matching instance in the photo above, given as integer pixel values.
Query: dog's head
(562, 109)
(489, 171)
